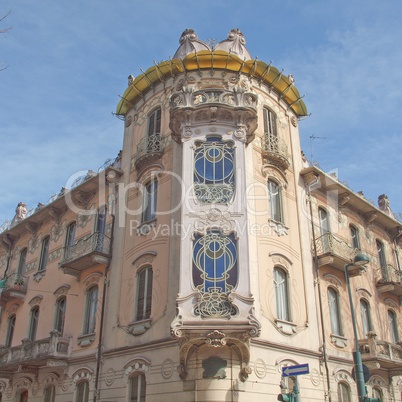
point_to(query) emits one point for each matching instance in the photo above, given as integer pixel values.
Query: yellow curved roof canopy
(207, 60)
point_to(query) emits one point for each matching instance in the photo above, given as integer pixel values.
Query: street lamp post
(360, 261)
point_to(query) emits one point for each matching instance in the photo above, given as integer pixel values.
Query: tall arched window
(343, 392)
(354, 236)
(214, 173)
(82, 392)
(22, 262)
(281, 294)
(275, 201)
(144, 294)
(214, 273)
(381, 259)
(137, 388)
(366, 317)
(90, 310)
(269, 124)
(377, 393)
(334, 312)
(61, 305)
(49, 394)
(33, 323)
(10, 331)
(154, 123)
(44, 254)
(393, 326)
(149, 199)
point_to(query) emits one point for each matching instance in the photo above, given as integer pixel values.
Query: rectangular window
(60, 315)
(149, 198)
(334, 312)
(144, 294)
(275, 201)
(281, 294)
(138, 388)
(91, 309)
(82, 393)
(33, 323)
(44, 254)
(154, 123)
(22, 262)
(10, 332)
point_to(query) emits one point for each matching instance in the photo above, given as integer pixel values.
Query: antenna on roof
(312, 138)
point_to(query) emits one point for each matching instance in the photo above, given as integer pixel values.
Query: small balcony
(14, 286)
(86, 253)
(334, 252)
(378, 354)
(389, 280)
(36, 353)
(275, 151)
(149, 151)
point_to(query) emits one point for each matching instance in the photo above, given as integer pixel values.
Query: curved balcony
(149, 151)
(378, 354)
(36, 353)
(14, 286)
(389, 280)
(334, 252)
(275, 151)
(86, 253)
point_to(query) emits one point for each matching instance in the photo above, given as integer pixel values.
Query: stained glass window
(214, 177)
(214, 272)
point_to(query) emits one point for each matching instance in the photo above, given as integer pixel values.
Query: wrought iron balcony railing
(149, 150)
(389, 280)
(275, 151)
(36, 353)
(12, 286)
(86, 253)
(338, 251)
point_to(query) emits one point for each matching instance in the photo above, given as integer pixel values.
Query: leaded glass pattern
(214, 273)
(214, 175)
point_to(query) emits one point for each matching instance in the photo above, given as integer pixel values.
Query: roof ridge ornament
(235, 43)
(189, 43)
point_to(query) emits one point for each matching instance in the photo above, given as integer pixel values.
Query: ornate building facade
(205, 259)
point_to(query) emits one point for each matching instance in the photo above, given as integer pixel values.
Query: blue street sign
(300, 369)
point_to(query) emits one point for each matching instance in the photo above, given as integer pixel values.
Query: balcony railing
(87, 252)
(333, 251)
(389, 280)
(383, 354)
(35, 353)
(13, 286)
(149, 150)
(275, 151)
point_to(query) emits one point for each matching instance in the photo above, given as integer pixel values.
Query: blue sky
(68, 63)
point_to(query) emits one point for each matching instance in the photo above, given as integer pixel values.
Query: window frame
(154, 122)
(282, 295)
(33, 323)
(344, 387)
(44, 254)
(138, 384)
(143, 299)
(60, 315)
(365, 316)
(10, 330)
(149, 201)
(269, 118)
(82, 395)
(49, 397)
(393, 326)
(336, 326)
(355, 237)
(382, 260)
(275, 203)
(22, 262)
(91, 307)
